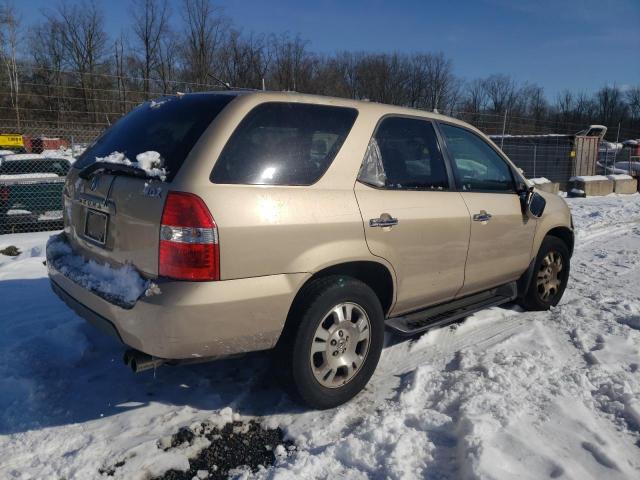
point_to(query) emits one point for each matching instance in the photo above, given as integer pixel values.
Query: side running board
(447, 313)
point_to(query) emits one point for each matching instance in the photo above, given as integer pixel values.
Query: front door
(501, 235)
(412, 218)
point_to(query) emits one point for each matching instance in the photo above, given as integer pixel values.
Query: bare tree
(84, 41)
(168, 63)
(534, 102)
(292, 65)
(633, 99)
(119, 60)
(244, 60)
(150, 24)
(501, 92)
(475, 97)
(439, 81)
(9, 39)
(610, 105)
(206, 29)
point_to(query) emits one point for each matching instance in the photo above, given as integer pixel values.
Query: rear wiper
(115, 168)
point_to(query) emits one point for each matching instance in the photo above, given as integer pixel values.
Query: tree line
(67, 68)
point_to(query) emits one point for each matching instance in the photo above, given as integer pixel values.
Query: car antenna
(224, 84)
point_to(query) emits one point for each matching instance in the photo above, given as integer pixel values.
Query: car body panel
(500, 248)
(428, 246)
(198, 319)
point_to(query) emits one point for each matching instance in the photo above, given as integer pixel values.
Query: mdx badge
(151, 190)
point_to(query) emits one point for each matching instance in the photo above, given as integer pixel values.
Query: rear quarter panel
(266, 230)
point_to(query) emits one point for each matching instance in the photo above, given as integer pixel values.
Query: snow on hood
(122, 286)
(150, 162)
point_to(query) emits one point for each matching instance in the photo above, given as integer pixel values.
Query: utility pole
(504, 127)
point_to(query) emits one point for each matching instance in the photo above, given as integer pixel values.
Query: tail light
(189, 247)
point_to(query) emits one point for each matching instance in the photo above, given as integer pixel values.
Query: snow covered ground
(506, 394)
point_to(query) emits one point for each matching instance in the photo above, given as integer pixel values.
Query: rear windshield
(170, 126)
(284, 144)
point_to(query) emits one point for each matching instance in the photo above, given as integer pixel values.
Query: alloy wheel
(340, 345)
(549, 280)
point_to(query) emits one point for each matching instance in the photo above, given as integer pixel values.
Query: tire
(547, 284)
(307, 348)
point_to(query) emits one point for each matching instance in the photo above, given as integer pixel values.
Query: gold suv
(206, 225)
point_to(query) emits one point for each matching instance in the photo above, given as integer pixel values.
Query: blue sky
(576, 44)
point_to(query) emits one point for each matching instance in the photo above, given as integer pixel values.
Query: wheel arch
(374, 274)
(565, 234)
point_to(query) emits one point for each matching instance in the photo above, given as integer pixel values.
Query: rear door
(412, 217)
(113, 215)
(501, 235)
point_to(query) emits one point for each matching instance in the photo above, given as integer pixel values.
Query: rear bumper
(192, 319)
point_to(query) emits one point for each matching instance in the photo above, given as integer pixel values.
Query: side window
(284, 144)
(478, 166)
(404, 154)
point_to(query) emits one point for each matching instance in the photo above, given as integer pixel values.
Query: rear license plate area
(95, 226)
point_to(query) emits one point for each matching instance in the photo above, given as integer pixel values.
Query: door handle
(483, 216)
(385, 221)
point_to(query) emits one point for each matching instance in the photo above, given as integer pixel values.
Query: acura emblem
(94, 183)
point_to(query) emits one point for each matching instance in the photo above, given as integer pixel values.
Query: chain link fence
(37, 151)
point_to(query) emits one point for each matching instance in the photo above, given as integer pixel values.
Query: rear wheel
(334, 341)
(550, 275)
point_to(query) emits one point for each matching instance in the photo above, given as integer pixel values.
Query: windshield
(170, 126)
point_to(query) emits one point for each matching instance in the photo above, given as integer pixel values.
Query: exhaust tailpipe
(140, 362)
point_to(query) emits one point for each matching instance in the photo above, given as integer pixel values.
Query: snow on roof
(23, 156)
(29, 176)
(546, 135)
(609, 146)
(32, 156)
(620, 177)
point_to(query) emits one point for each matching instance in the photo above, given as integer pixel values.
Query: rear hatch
(114, 195)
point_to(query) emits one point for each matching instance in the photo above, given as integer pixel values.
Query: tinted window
(478, 166)
(404, 154)
(284, 144)
(170, 126)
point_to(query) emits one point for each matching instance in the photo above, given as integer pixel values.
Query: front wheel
(550, 275)
(335, 341)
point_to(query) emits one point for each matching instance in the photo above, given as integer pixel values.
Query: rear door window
(280, 143)
(404, 154)
(170, 126)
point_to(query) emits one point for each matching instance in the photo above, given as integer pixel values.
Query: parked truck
(31, 191)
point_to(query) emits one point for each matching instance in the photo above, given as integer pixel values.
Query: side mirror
(535, 204)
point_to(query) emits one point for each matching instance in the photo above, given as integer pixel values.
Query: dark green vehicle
(31, 192)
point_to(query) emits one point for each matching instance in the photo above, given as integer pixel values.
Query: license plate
(95, 226)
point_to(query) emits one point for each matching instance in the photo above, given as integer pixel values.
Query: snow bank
(588, 178)
(150, 162)
(620, 177)
(539, 180)
(122, 286)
